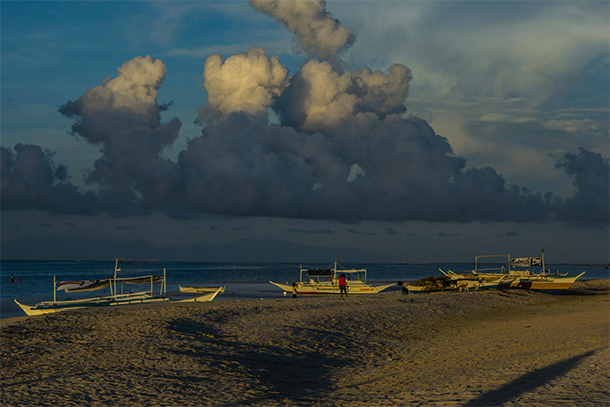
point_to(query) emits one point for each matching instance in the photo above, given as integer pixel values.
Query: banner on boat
(92, 285)
(87, 285)
(526, 262)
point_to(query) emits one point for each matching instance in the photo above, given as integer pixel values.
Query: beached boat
(200, 289)
(517, 274)
(439, 284)
(326, 281)
(114, 299)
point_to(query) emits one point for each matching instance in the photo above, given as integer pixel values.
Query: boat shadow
(527, 382)
(298, 374)
(576, 293)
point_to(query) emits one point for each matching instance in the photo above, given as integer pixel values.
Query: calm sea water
(243, 281)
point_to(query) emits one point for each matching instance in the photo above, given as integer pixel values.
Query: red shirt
(341, 280)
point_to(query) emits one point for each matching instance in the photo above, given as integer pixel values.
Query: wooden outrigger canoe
(515, 276)
(200, 289)
(439, 284)
(326, 282)
(114, 299)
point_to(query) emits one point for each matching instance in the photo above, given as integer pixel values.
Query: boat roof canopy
(138, 280)
(93, 285)
(319, 273)
(329, 272)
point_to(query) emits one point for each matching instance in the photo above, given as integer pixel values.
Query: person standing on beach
(294, 290)
(342, 285)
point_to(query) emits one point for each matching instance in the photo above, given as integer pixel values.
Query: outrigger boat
(114, 299)
(516, 274)
(439, 284)
(326, 281)
(200, 289)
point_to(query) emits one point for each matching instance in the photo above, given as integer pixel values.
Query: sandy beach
(484, 348)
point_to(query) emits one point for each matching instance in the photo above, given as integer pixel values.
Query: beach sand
(484, 348)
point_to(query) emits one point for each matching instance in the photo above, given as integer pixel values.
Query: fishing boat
(114, 299)
(326, 281)
(445, 283)
(201, 289)
(517, 274)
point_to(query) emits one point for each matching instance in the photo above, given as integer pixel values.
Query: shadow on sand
(298, 375)
(527, 383)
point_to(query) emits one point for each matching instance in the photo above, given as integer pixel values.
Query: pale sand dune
(472, 349)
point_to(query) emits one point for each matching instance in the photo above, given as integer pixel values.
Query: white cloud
(574, 126)
(245, 82)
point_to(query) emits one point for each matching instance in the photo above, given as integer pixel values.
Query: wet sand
(471, 349)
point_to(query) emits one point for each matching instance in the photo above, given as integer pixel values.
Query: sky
(419, 131)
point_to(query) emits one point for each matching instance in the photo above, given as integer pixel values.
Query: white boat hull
(198, 289)
(324, 288)
(132, 299)
(544, 282)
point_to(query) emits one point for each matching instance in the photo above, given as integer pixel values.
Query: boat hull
(101, 302)
(197, 289)
(538, 282)
(203, 298)
(49, 308)
(523, 280)
(544, 283)
(455, 285)
(330, 289)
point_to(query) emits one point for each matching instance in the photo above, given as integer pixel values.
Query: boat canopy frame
(112, 283)
(332, 272)
(511, 266)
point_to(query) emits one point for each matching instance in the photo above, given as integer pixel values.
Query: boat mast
(116, 268)
(334, 277)
(543, 269)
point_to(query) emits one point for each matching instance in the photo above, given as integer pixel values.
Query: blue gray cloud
(344, 149)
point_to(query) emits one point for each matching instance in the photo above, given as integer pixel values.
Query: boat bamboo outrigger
(326, 281)
(114, 299)
(517, 274)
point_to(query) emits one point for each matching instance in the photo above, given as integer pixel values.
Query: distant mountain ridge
(243, 251)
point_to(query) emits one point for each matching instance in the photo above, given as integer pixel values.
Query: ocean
(33, 280)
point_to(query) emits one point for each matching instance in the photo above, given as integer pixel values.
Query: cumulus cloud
(245, 82)
(591, 203)
(320, 98)
(319, 34)
(396, 168)
(122, 116)
(343, 150)
(30, 180)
